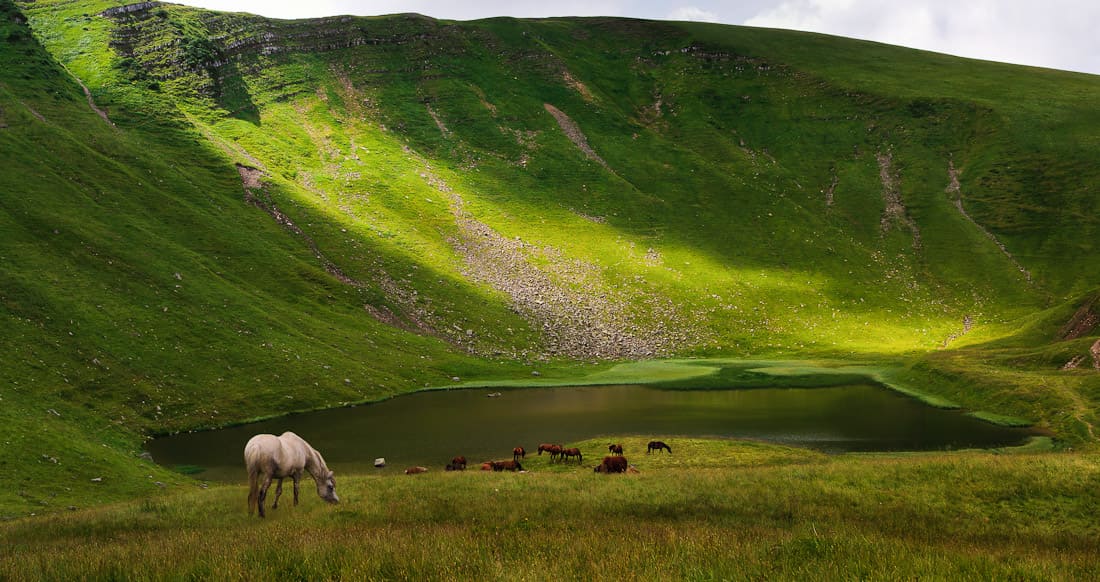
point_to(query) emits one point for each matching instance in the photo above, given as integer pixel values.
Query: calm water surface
(428, 428)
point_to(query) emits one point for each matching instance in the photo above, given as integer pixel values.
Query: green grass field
(209, 218)
(712, 510)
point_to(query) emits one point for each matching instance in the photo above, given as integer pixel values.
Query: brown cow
(657, 446)
(487, 466)
(415, 470)
(615, 449)
(518, 453)
(506, 465)
(612, 464)
(566, 454)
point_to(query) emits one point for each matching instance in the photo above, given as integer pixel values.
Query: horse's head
(326, 487)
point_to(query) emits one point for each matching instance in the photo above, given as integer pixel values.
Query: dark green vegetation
(244, 218)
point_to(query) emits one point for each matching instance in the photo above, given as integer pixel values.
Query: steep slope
(208, 217)
(705, 216)
(137, 284)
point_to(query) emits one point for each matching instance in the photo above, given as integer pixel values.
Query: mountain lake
(429, 428)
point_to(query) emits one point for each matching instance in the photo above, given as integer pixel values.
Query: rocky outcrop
(128, 9)
(1083, 321)
(570, 301)
(226, 45)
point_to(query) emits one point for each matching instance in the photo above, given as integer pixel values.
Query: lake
(428, 428)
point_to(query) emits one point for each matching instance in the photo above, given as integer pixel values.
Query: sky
(1059, 34)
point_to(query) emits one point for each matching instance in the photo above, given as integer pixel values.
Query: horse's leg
(253, 489)
(263, 494)
(297, 482)
(278, 492)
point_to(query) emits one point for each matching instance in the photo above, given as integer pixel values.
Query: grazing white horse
(276, 457)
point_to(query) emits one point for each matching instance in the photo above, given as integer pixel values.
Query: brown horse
(457, 464)
(657, 446)
(615, 449)
(567, 454)
(268, 457)
(612, 464)
(518, 453)
(512, 465)
(554, 450)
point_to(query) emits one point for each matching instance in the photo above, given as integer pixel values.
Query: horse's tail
(253, 490)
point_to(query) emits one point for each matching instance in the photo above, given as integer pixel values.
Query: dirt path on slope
(955, 190)
(417, 315)
(574, 133)
(88, 95)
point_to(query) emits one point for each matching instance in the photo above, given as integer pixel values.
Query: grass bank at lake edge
(727, 373)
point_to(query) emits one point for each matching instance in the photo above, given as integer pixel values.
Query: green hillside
(207, 218)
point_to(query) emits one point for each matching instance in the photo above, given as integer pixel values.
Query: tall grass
(713, 510)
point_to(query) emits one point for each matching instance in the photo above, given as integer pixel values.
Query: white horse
(276, 457)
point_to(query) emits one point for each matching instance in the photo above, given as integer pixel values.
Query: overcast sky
(1060, 34)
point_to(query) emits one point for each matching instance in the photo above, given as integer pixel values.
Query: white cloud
(693, 13)
(1056, 33)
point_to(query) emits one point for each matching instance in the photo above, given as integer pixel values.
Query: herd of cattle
(613, 462)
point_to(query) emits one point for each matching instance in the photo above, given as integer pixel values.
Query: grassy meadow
(711, 510)
(211, 218)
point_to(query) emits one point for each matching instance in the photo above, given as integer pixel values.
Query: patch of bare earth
(1083, 321)
(651, 114)
(1074, 363)
(574, 133)
(438, 122)
(831, 190)
(955, 190)
(968, 324)
(567, 299)
(577, 86)
(894, 212)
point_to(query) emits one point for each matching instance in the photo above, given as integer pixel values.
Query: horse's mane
(316, 463)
